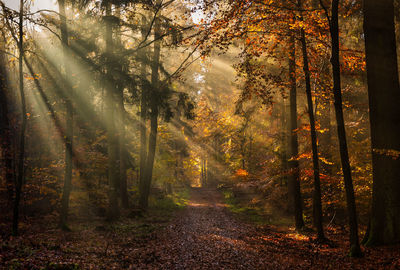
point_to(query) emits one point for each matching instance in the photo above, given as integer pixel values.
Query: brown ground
(203, 236)
(207, 236)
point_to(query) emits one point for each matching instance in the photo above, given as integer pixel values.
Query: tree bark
(384, 95)
(143, 117)
(69, 119)
(112, 139)
(123, 155)
(317, 205)
(284, 142)
(293, 163)
(355, 250)
(123, 152)
(5, 131)
(21, 157)
(201, 173)
(154, 103)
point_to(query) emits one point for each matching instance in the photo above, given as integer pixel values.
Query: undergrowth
(160, 212)
(253, 214)
(45, 244)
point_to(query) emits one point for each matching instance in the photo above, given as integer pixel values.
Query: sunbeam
(199, 134)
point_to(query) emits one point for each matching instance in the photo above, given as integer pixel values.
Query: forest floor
(204, 235)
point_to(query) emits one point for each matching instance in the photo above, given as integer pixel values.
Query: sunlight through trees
(121, 113)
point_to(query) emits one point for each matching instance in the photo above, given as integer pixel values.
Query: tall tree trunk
(317, 205)
(143, 115)
(250, 166)
(205, 172)
(145, 192)
(154, 100)
(355, 250)
(384, 96)
(293, 163)
(21, 157)
(112, 139)
(284, 141)
(69, 121)
(201, 173)
(208, 176)
(123, 152)
(242, 150)
(5, 130)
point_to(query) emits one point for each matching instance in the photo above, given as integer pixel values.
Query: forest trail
(204, 235)
(207, 236)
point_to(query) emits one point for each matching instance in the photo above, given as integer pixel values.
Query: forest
(199, 134)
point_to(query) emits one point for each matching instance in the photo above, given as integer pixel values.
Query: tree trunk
(317, 205)
(5, 131)
(208, 174)
(284, 142)
(201, 172)
(143, 116)
(205, 173)
(154, 100)
(384, 96)
(69, 120)
(293, 163)
(112, 139)
(355, 250)
(123, 152)
(243, 154)
(251, 164)
(21, 157)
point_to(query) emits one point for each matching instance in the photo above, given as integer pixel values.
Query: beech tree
(344, 154)
(383, 94)
(317, 204)
(294, 178)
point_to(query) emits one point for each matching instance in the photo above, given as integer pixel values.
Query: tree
(112, 137)
(154, 102)
(317, 205)
(21, 156)
(293, 163)
(123, 152)
(69, 131)
(6, 129)
(355, 250)
(143, 110)
(384, 94)
(157, 94)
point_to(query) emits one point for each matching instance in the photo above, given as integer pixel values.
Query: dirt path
(207, 236)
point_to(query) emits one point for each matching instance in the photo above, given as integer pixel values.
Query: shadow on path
(207, 236)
